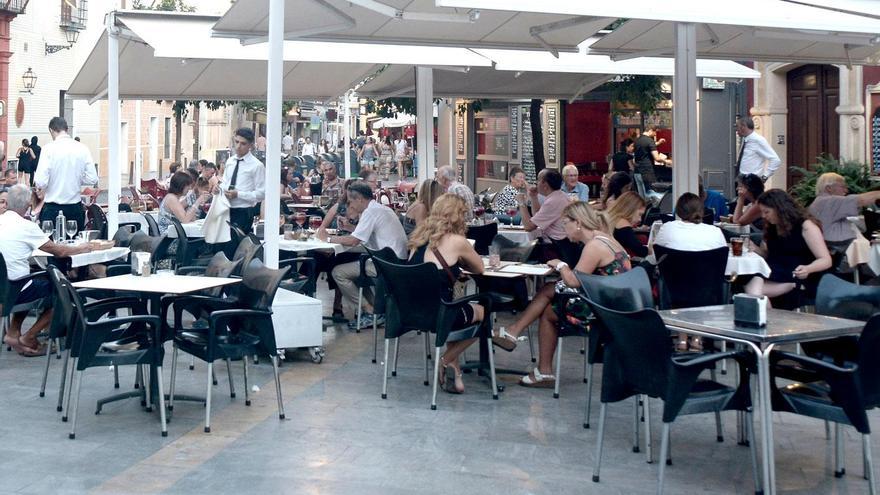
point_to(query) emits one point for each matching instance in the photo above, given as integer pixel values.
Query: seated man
(10, 178)
(545, 220)
(448, 178)
(377, 228)
(714, 200)
(572, 186)
(832, 205)
(19, 238)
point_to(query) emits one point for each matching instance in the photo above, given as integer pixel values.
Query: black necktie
(741, 150)
(235, 174)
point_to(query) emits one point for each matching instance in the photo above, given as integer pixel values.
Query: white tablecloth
(748, 264)
(518, 236)
(192, 229)
(84, 259)
(312, 244)
(735, 227)
(131, 217)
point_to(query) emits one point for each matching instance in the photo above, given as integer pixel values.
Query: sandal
(536, 379)
(504, 340)
(453, 383)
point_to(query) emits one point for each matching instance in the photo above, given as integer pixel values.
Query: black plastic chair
(94, 326)
(482, 236)
(9, 293)
(152, 225)
(236, 329)
(872, 222)
(187, 253)
(844, 395)
(630, 291)
(691, 278)
(97, 220)
(639, 360)
(415, 303)
(380, 296)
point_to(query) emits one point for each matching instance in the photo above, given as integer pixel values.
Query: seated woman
(748, 188)
(287, 192)
(506, 199)
(440, 239)
(174, 203)
(429, 191)
(689, 233)
(793, 246)
(601, 255)
(618, 183)
(627, 213)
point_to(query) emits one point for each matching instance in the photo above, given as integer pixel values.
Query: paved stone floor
(340, 437)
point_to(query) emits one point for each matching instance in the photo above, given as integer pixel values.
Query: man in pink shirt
(545, 221)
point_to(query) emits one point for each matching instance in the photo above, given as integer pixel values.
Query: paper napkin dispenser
(750, 311)
(140, 264)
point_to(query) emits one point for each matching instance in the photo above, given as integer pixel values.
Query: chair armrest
(102, 306)
(32, 275)
(120, 269)
(821, 367)
(220, 317)
(703, 360)
(189, 270)
(117, 321)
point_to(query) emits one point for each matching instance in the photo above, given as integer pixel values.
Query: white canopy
(173, 56)
(870, 8)
(401, 120)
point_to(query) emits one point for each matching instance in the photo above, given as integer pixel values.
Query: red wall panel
(588, 132)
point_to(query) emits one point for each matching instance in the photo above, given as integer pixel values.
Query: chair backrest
(97, 220)
(414, 292)
(152, 224)
(837, 297)
(637, 353)
(666, 203)
(691, 278)
(709, 216)
(380, 290)
(123, 236)
(514, 251)
(220, 267)
(62, 307)
(183, 256)
(483, 235)
(246, 251)
(259, 285)
(872, 221)
(156, 246)
(869, 365)
(629, 291)
(5, 288)
(68, 302)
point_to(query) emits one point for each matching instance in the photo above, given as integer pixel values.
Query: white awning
(401, 120)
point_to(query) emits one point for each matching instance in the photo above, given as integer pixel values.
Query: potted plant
(856, 174)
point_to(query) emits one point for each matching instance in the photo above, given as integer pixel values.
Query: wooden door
(813, 124)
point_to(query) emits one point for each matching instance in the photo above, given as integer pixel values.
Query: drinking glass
(494, 257)
(746, 240)
(48, 228)
(287, 230)
(315, 222)
(71, 229)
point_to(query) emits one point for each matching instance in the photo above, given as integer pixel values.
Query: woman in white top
(690, 233)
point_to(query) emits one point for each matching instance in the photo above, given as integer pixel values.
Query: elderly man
(448, 179)
(377, 228)
(545, 220)
(65, 166)
(754, 151)
(19, 238)
(832, 205)
(331, 184)
(571, 186)
(10, 178)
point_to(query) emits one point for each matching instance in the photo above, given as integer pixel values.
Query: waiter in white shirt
(244, 180)
(755, 151)
(65, 166)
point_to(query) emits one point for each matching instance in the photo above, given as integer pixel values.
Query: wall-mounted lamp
(71, 35)
(29, 80)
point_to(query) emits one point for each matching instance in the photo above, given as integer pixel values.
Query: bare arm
(816, 243)
(468, 255)
(742, 216)
(527, 223)
(868, 198)
(64, 250)
(418, 213)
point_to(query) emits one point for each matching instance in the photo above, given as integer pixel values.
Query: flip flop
(536, 379)
(24, 350)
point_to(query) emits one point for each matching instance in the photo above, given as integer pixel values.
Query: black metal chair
(844, 394)
(639, 361)
(415, 303)
(872, 222)
(483, 235)
(94, 326)
(235, 330)
(9, 293)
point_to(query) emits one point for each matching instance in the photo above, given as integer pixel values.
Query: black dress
(627, 238)
(784, 254)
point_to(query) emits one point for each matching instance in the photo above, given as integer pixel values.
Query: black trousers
(74, 211)
(243, 218)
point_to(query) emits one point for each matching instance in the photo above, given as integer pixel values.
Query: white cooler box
(297, 320)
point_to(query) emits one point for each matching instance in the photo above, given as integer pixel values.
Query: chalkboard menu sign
(875, 140)
(551, 133)
(460, 133)
(514, 134)
(527, 155)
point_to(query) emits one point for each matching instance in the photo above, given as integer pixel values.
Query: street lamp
(29, 80)
(70, 35)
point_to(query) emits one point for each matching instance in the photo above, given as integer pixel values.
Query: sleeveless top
(369, 152)
(620, 264)
(418, 257)
(784, 254)
(386, 150)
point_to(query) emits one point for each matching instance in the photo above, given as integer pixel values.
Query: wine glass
(511, 212)
(48, 228)
(479, 211)
(71, 229)
(315, 222)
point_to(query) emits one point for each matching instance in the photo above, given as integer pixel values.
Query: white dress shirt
(287, 142)
(250, 181)
(309, 149)
(65, 166)
(378, 227)
(18, 240)
(757, 151)
(687, 236)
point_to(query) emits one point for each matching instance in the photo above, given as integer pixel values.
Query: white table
(297, 320)
(84, 259)
(747, 264)
(132, 217)
(517, 235)
(160, 283)
(735, 227)
(310, 245)
(192, 229)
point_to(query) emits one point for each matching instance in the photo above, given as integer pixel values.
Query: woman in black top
(622, 161)
(618, 183)
(627, 213)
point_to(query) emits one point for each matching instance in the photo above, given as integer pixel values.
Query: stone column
(851, 112)
(5, 55)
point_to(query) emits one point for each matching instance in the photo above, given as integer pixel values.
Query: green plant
(857, 175)
(636, 93)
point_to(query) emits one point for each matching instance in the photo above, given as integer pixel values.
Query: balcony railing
(13, 6)
(73, 18)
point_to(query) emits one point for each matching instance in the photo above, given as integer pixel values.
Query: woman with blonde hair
(440, 239)
(429, 191)
(627, 213)
(601, 255)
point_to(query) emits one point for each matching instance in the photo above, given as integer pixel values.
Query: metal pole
(114, 172)
(686, 151)
(425, 121)
(138, 157)
(273, 130)
(346, 135)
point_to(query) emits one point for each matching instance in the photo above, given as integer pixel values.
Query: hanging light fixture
(29, 80)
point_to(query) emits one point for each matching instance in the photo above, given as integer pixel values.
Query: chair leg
(375, 339)
(46, 370)
(428, 346)
(231, 382)
(827, 430)
(586, 344)
(208, 400)
(492, 374)
(558, 367)
(147, 384)
(192, 366)
(589, 398)
(723, 361)
(839, 460)
(247, 398)
(278, 386)
(69, 390)
(357, 323)
(602, 411)
(436, 372)
(649, 446)
(719, 433)
(173, 377)
(161, 390)
(531, 344)
(64, 371)
(753, 450)
(78, 378)
(115, 376)
(869, 463)
(213, 376)
(396, 354)
(664, 449)
(385, 371)
(427, 367)
(636, 423)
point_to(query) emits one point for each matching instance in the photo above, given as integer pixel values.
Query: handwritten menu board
(551, 133)
(460, 133)
(514, 134)
(875, 140)
(527, 154)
